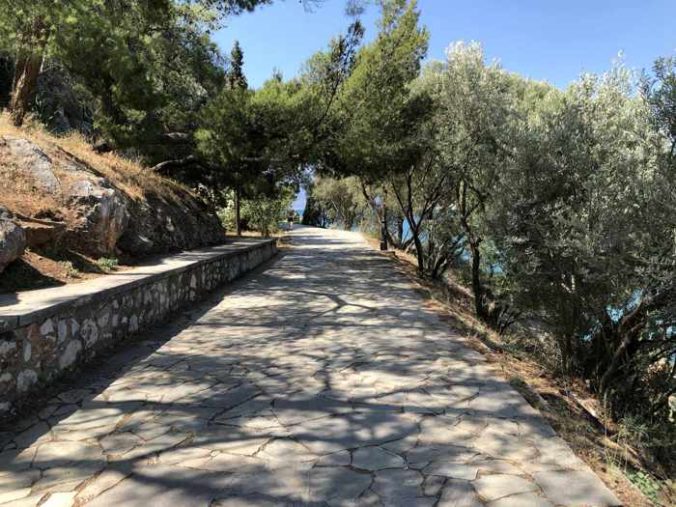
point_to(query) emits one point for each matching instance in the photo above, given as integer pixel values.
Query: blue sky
(544, 39)
(551, 40)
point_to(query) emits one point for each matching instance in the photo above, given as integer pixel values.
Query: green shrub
(107, 263)
(262, 214)
(70, 269)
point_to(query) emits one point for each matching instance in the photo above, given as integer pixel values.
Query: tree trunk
(621, 357)
(474, 242)
(108, 102)
(400, 231)
(25, 81)
(477, 288)
(417, 243)
(178, 163)
(383, 228)
(419, 253)
(567, 353)
(238, 221)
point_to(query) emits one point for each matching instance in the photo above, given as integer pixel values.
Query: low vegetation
(108, 264)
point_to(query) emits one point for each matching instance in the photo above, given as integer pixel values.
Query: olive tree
(586, 229)
(473, 123)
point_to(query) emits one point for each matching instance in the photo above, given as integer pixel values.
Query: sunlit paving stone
(321, 380)
(493, 487)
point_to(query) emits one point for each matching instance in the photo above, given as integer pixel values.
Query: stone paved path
(321, 380)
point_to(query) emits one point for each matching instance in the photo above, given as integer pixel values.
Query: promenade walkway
(319, 380)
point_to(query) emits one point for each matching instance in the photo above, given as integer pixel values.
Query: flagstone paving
(321, 380)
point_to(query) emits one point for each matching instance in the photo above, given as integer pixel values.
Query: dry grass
(557, 398)
(19, 193)
(130, 176)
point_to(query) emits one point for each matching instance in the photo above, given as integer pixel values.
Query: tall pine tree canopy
(136, 58)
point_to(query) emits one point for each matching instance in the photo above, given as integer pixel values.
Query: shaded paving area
(321, 380)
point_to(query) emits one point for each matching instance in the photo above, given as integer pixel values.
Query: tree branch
(178, 163)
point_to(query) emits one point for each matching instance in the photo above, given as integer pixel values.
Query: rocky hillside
(58, 196)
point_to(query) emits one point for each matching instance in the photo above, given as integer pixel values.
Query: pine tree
(236, 78)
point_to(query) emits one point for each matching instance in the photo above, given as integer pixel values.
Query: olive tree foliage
(659, 90)
(562, 205)
(344, 202)
(586, 230)
(340, 199)
(447, 197)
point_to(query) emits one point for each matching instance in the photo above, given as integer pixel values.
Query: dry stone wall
(51, 331)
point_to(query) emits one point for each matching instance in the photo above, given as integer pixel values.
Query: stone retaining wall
(47, 332)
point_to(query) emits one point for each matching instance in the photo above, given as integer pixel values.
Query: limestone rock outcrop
(101, 211)
(98, 210)
(159, 226)
(35, 162)
(41, 233)
(97, 214)
(12, 239)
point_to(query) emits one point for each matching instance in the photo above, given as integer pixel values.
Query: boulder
(12, 239)
(34, 162)
(61, 108)
(42, 232)
(102, 215)
(157, 225)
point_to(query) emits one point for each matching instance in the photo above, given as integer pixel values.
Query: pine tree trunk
(25, 82)
(238, 221)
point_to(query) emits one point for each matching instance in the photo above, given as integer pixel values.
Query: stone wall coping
(24, 308)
